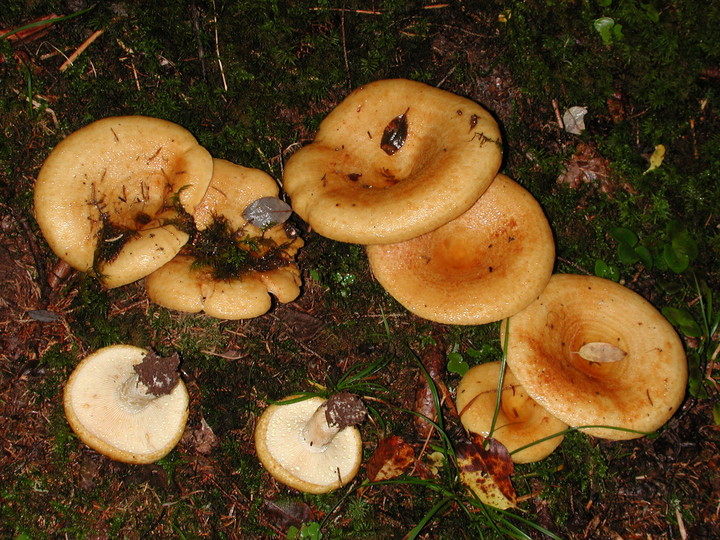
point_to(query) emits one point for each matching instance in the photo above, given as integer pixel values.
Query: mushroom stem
(317, 432)
(134, 395)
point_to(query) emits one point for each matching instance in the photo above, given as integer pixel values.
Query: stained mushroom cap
(288, 457)
(483, 266)
(639, 389)
(520, 421)
(103, 197)
(183, 285)
(394, 160)
(110, 410)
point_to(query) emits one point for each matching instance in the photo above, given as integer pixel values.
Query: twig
(344, 46)
(96, 34)
(217, 49)
(558, 116)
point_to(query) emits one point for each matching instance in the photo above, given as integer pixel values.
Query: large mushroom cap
(103, 197)
(481, 267)
(104, 410)
(521, 421)
(183, 285)
(394, 160)
(291, 460)
(639, 389)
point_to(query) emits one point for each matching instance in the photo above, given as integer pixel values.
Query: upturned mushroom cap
(394, 160)
(103, 196)
(182, 285)
(101, 412)
(288, 457)
(481, 267)
(639, 389)
(520, 421)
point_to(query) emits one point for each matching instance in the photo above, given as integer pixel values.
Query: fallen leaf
(656, 158)
(574, 120)
(486, 471)
(391, 458)
(395, 134)
(266, 212)
(288, 513)
(599, 351)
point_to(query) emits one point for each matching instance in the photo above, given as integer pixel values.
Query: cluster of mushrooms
(135, 197)
(412, 173)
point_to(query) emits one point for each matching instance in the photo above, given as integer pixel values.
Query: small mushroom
(520, 421)
(110, 198)
(231, 267)
(312, 445)
(481, 267)
(394, 160)
(127, 403)
(632, 377)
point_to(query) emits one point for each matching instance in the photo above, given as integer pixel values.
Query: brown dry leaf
(599, 351)
(586, 166)
(486, 471)
(287, 513)
(395, 134)
(391, 458)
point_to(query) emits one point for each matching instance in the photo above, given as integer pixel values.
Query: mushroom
(594, 353)
(312, 444)
(127, 403)
(520, 420)
(481, 267)
(112, 196)
(394, 160)
(231, 267)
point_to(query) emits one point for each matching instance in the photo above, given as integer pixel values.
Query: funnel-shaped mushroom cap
(520, 420)
(103, 197)
(481, 267)
(639, 389)
(183, 285)
(105, 411)
(394, 160)
(288, 457)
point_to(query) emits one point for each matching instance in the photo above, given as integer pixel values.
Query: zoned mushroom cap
(481, 267)
(639, 392)
(520, 421)
(99, 414)
(181, 285)
(444, 152)
(293, 462)
(108, 188)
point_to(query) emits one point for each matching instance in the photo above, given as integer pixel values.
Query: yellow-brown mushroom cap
(181, 285)
(112, 183)
(351, 190)
(521, 421)
(639, 392)
(481, 267)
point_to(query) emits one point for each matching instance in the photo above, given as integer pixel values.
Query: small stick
(96, 34)
(217, 48)
(558, 116)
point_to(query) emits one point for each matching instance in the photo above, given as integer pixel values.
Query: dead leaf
(486, 471)
(266, 212)
(574, 120)
(395, 134)
(656, 158)
(288, 513)
(391, 458)
(601, 352)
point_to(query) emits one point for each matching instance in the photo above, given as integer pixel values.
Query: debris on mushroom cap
(344, 409)
(394, 160)
(639, 392)
(110, 198)
(481, 267)
(300, 449)
(231, 267)
(520, 421)
(113, 403)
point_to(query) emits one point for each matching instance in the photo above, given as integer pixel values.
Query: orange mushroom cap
(394, 160)
(483, 266)
(638, 390)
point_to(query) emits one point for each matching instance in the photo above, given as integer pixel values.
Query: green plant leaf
(683, 320)
(604, 270)
(624, 236)
(676, 261)
(456, 364)
(627, 254)
(645, 256)
(716, 413)
(604, 27)
(683, 243)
